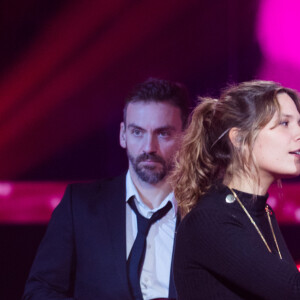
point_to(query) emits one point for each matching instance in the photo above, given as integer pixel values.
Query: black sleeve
(213, 244)
(52, 271)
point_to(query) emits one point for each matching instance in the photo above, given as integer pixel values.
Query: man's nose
(150, 145)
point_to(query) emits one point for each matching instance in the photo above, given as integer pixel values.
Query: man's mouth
(150, 162)
(149, 158)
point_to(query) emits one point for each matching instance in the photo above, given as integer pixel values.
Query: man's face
(151, 137)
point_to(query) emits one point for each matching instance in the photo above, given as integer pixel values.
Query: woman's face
(277, 147)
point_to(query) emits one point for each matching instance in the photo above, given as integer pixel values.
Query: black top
(220, 255)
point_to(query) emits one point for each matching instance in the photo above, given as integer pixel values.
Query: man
(100, 242)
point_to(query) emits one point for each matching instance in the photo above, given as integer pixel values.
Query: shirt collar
(132, 191)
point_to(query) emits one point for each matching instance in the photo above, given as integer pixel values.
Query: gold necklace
(253, 222)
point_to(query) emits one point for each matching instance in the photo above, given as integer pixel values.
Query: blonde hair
(207, 154)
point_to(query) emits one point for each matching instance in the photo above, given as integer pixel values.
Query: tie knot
(144, 224)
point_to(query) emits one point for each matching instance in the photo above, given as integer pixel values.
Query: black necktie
(137, 253)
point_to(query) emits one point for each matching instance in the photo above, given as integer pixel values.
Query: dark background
(65, 69)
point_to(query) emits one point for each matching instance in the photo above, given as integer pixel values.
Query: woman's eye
(284, 123)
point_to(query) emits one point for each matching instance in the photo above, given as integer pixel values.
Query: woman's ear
(235, 137)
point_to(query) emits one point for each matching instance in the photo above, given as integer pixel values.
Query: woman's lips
(296, 153)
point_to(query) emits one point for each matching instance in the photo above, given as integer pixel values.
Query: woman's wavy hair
(207, 154)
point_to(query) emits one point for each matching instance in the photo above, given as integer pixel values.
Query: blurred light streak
(33, 202)
(62, 37)
(94, 58)
(29, 202)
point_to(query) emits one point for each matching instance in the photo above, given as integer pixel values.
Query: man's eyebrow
(167, 127)
(163, 128)
(132, 125)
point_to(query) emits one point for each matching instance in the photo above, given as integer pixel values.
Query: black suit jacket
(83, 254)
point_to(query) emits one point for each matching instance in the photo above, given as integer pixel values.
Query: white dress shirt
(155, 275)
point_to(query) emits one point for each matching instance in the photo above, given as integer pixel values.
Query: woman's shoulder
(213, 208)
(215, 200)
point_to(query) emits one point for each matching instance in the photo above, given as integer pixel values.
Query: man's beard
(147, 173)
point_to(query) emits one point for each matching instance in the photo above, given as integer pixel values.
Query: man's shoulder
(107, 185)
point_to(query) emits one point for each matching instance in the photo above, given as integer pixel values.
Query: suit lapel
(172, 289)
(115, 213)
(114, 193)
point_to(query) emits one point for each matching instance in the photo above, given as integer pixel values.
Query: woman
(229, 245)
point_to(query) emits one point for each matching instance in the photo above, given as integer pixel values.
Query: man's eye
(164, 134)
(136, 132)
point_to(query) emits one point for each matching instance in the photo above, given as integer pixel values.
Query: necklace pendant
(268, 211)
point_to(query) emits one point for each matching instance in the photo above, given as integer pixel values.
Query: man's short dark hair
(159, 90)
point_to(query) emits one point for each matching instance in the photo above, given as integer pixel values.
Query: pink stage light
(5, 189)
(30, 202)
(277, 30)
(33, 202)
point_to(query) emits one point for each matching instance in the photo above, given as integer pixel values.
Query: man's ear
(122, 135)
(235, 137)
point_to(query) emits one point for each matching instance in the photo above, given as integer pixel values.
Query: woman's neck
(247, 185)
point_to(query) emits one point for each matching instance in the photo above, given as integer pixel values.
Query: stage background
(66, 67)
